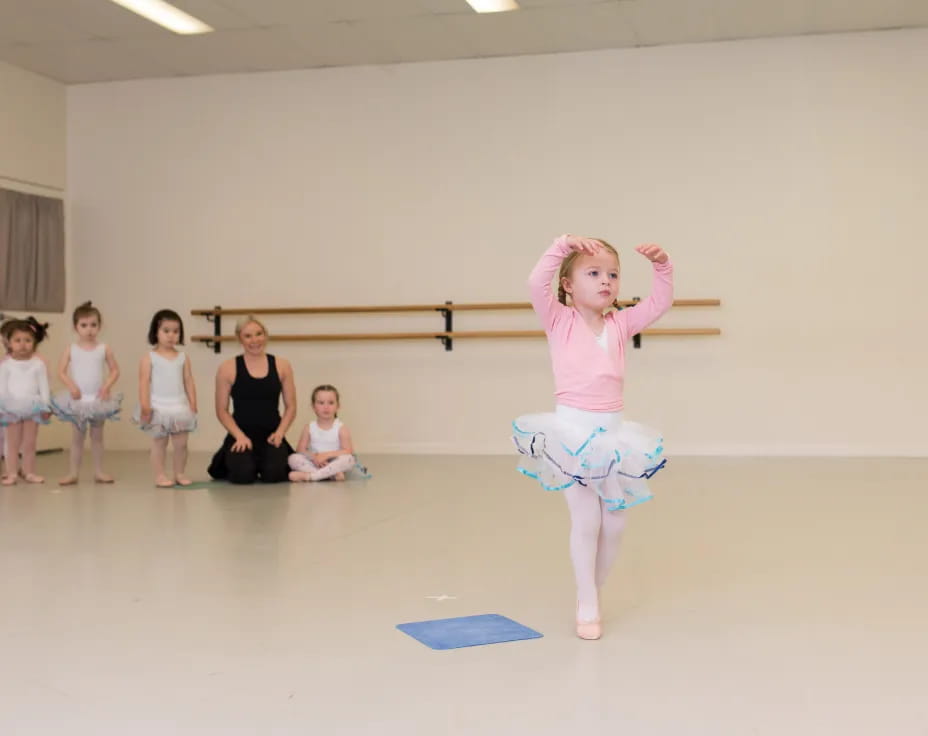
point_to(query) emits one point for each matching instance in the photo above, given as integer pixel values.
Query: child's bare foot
(299, 476)
(339, 476)
(162, 481)
(70, 480)
(33, 478)
(183, 480)
(9, 480)
(103, 478)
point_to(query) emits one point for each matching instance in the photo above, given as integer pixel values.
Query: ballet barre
(446, 310)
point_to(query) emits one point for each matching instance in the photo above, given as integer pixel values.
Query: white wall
(32, 159)
(32, 132)
(786, 177)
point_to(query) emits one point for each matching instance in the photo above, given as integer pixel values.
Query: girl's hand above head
(590, 246)
(653, 253)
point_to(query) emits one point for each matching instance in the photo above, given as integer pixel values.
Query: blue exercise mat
(467, 631)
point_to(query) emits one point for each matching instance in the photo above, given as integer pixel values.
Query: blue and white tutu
(85, 411)
(599, 450)
(13, 410)
(167, 420)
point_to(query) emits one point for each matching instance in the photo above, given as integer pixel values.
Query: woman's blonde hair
(247, 320)
(567, 266)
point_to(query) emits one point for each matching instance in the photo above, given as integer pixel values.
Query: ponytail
(39, 329)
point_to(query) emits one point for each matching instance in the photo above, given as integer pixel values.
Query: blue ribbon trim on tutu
(646, 475)
(8, 418)
(534, 476)
(598, 430)
(612, 504)
(65, 415)
(572, 453)
(602, 472)
(649, 473)
(579, 451)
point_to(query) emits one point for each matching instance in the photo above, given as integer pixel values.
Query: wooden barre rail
(396, 308)
(447, 309)
(338, 336)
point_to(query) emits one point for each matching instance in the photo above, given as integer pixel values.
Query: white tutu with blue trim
(13, 410)
(599, 450)
(86, 410)
(167, 420)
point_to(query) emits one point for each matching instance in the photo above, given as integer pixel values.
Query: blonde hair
(567, 266)
(247, 320)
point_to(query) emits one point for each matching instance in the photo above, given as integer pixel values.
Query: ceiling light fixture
(493, 6)
(164, 14)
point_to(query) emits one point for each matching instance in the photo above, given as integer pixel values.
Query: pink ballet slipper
(589, 630)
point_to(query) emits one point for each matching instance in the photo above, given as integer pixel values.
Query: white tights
(77, 448)
(307, 471)
(595, 534)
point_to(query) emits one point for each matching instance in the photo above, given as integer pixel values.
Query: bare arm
(289, 393)
(66, 379)
(225, 377)
(145, 387)
(42, 379)
(345, 442)
(189, 385)
(113, 375)
(303, 445)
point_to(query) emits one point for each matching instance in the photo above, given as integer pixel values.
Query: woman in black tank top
(255, 447)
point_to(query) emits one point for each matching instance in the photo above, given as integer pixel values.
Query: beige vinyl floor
(752, 597)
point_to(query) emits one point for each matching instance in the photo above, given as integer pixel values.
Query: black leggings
(263, 462)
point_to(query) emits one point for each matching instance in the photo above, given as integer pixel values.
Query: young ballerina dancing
(167, 397)
(24, 397)
(585, 448)
(325, 449)
(89, 371)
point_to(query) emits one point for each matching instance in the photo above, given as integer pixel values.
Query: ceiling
(78, 41)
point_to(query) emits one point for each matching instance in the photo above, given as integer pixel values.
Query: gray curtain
(31, 252)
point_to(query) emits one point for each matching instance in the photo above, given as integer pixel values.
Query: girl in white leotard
(167, 397)
(89, 371)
